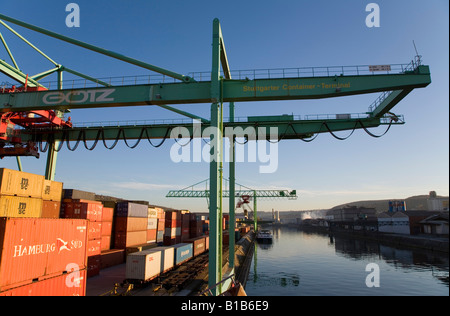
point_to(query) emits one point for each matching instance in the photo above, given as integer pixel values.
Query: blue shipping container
(183, 252)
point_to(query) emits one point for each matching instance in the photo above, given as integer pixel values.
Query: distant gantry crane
(32, 114)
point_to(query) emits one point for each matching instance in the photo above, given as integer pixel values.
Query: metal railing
(277, 73)
(242, 119)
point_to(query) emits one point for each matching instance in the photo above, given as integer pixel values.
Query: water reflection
(304, 263)
(399, 258)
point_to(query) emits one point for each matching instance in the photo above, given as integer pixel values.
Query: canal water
(300, 263)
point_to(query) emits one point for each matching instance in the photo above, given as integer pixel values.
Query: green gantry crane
(167, 89)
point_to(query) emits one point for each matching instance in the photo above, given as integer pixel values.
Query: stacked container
(51, 199)
(172, 234)
(161, 225)
(152, 226)
(51, 251)
(20, 194)
(130, 224)
(107, 225)
(92, 211)
(185, 225)
(196, 228)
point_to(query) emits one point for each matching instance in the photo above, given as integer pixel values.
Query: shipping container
(161, 213)
(93, 265)
(159, 236)
(161, 224)
(90, 210)
(196, 229)
(71, 284)
(52, 191)
(152, 223)
(50, 209)
(94, 247)
(171, 241)
(152, 212)
(17, 206)
(78, 195)
(95, 230)
(167, 258)
(18, 183)
(173, 232)
(123, 240)
(206, 242)
(106, 243)
(129, 209)
(151, 235)
(137, 248)
(106, 228)
(35, 248)
(198, 244)
(183, 252)
(172, 223)
(144, 265)
(111, 258)
(107, 214)
(130, 224)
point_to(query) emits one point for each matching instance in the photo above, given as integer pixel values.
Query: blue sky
(409, 160)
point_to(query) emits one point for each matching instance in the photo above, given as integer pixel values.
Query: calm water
(301, 263)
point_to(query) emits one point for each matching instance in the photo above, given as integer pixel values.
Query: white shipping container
(167, 257)
(152, 223)
(143, 265)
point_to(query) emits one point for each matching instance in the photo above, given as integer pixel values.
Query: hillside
(417, 203)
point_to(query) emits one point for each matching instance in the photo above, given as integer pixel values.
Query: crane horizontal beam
(295, 129)
(239, 193)
(200, 92)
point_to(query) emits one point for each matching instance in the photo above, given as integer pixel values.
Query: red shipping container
(83, 210)
(93, 266)
(95, 230)
(94, 247)
(113, 257)
(36, 248)
(185, 220)
(72, 284)
(107, 214)
(106, 228)
(50, 209)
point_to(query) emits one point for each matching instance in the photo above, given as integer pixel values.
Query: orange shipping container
(107, 214)
(37, 248)
(17, 206)
(94, 247)
(127, 239)
(106, 243)
(95, 230)
(50, 209)
(52, 191)
(71, 284)
(151, 235)
(130, 224)
(106, 228)
(19, 183)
